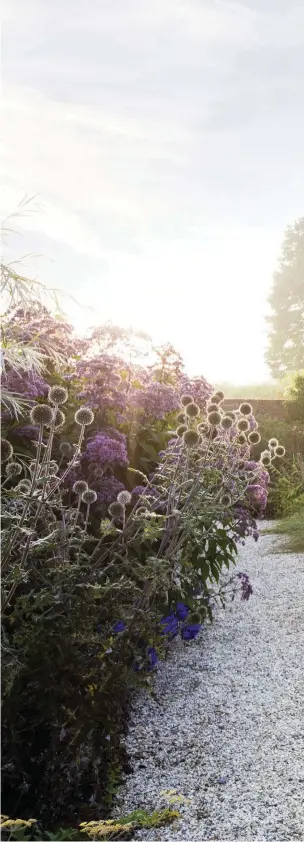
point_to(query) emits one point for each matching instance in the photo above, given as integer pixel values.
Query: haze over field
(164, 141)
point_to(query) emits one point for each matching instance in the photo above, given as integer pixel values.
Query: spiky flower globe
(226, 422)
(265, 458)
(186, 400)
(245, 409)
(52, 468)
(273, 443)
(13, 469)
(59, 419)
(254, 437)
(192, 410)
(280, 451)
(243, 425)
(89, 496)
(116, 510)
(191, 438)
(58, 394)
(41, 414)
(181, 418)
(214, 418)
(241, 439)
(7, 450)
(124, 497)
(225, 499)
(181, 429)
(65, 448)
(219, 395)
(23, 486)
(80, 486)
(84, 416)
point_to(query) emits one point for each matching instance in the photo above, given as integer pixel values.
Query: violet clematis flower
(191, 631)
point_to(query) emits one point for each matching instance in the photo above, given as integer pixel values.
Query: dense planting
(126, 489)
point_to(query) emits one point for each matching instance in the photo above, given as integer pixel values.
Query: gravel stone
(226, 730)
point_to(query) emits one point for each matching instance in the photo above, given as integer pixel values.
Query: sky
(163, 143)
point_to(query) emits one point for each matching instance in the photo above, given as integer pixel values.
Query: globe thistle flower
(65, 448)
(84, 416)
(231, 414)
(241, 439)
(225, 499)
(7, 450)
(191, 438)
(181, 418)
(280, 451)
(124, 497)
(273, 443)
(116, 510)
(219, 395)
(254, 437)
(265, 458)
(226, 422)
(58, 418)
(89, 496)
(52, 468)
(80, 486)
(192, 410)
(203, 428)
(194, 617)
(243, 425)
(181, 429)
(23, 487)
(58, 394)
(41, 414)
(214, 434)
(214, 418)
(186, 400)
(13, 469)
(245, 409)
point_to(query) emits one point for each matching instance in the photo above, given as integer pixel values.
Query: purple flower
(246, 587)
(182, 610)
(106, 448)
(191, 631)
(119, 626)
(153, 658)
(170, 625)
(156, 400)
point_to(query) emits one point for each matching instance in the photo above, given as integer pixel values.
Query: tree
(286, 339)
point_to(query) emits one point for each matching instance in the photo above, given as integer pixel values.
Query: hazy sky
(164, 140)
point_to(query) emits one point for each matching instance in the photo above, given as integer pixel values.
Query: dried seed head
(124, 497)
(84, 416)
(58, 394)
(243, 425)
(186, 400)
(89, 496)
(80, 486)
(13, 469)
(254, 437)
(245, 409)
(191, 438)
(7, 450)
(214, 418)
(41, 414)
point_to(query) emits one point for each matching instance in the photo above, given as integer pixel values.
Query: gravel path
(227, 729)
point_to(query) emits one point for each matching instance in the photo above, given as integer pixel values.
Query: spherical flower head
(52, 468)
(243, 425)
(13, 469)
(181, 429)
(231, 414)
(204, 429)
(241, 439)
(124, 497)
(65, 448)
(181, 418)
(273, 443)
(280, 451)
(186, 400)
(225, 499)
(84, 416)
(7, 450)
(116, 510)
(214, 418)
(254, 437)
(59, 418)
(226, 422)
(265, 458)
(89, 496)
(219, 395)
(191, 438)
(245, 409)
(80, 486)
(23, 486)
(41, 414)
(192, 410)
(58, 394)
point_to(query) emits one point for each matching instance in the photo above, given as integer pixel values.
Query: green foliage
(286, 346)
(295, 404)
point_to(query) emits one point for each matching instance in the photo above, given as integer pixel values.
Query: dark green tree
(286, 340)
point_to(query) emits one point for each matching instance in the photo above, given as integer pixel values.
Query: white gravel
(227, 729)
